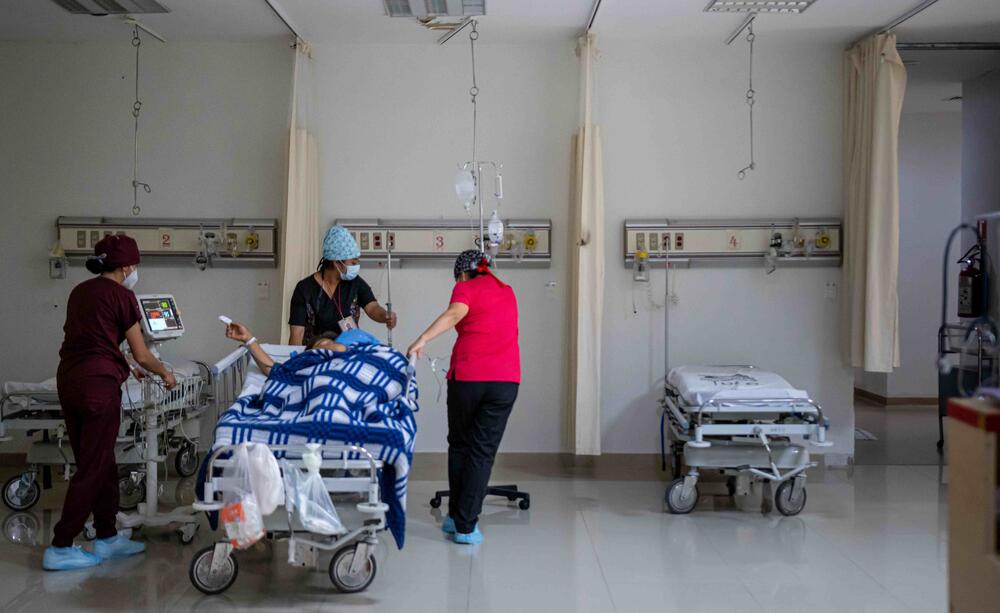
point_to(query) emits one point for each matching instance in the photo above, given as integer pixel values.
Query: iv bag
(465, 187)
(495, 229)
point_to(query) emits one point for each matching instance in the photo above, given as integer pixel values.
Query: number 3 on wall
(438, 242)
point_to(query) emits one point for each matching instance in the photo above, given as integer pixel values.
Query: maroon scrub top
(98, 314)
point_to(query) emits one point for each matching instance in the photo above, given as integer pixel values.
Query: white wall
(930, 190)
(981, 160)
(394, 122)
(213, 144)
(675, 133)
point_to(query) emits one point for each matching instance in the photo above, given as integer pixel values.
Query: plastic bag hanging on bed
(265, 478)
(307, 498)
(240, 514)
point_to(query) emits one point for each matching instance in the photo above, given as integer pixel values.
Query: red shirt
(98, 314)
(486, 349)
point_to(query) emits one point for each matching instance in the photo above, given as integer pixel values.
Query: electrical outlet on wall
(263, 290)
(830, 290)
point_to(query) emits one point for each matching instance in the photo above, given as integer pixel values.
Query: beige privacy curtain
(874, 84)
(588, 266)
(300, 244)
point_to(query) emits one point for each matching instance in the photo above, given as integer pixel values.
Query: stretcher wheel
(21, 528)
(783, 499)
(89, 531)
(674, 498)
(201, 575)
(187, 532)
(186, 460)
(340, 571)
(19, 494)
(130, 491)
(436, 502)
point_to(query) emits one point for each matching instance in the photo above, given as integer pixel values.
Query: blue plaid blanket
(320, 396)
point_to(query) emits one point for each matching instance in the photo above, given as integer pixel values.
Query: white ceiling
(507, 21)
(937, 75)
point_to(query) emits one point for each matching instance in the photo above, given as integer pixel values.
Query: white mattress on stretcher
(700, 384)
(131, 389)
(253, 383)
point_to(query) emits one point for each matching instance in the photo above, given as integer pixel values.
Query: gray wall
(981, 159)
(213, 144)
(675, 133)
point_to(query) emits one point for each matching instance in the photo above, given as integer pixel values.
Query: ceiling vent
(793, 7)
(112, 7)
(422, 9)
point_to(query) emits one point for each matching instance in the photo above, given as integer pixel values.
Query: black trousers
(477, 417)
(92, 410)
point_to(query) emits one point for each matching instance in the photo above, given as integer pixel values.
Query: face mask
(351, 272)
(131, 279)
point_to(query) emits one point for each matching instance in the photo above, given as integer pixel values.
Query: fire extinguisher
(970, 288)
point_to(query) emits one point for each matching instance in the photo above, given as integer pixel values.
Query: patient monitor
(161, 320)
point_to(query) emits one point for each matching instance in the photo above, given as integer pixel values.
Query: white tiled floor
(870, 540)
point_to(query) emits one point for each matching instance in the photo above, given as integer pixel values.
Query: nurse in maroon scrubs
(101, 313)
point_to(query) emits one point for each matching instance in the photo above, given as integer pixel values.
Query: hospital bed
(739, 421)
(348, 470)
(33, 408)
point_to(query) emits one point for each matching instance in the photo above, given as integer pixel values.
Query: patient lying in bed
(327, 341)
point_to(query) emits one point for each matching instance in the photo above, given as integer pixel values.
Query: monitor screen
(161, 314)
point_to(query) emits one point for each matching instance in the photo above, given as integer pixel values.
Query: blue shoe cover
(118, 546)
(473, 538)
(448, 525)
(68, 558)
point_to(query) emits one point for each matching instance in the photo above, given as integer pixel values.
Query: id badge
(346, 324)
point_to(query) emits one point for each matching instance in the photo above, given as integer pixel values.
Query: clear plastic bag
(265, 478)
(308, 500)
(240, 515)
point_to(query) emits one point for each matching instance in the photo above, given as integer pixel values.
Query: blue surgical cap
(357, 337)
(340, 245)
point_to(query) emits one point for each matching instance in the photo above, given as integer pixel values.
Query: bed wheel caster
(21, 492)
(187, 532)
(787, 505)
(89, 531)
(186, 460)
(676, 502)
(208, 582)
(343, 579)
(436, 502)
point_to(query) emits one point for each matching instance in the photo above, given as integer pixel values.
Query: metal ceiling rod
(743, 26)
(449, 35)
(593, 15)
(910, 14)
(948, 46)
(132, 21)
(283, 16)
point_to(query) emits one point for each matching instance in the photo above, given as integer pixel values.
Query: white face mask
(131, 279)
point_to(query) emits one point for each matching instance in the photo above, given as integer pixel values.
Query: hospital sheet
(320, 396)
(700, 384)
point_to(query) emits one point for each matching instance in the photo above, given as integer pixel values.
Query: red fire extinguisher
(972, 279)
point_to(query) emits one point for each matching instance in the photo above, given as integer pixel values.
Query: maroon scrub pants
(92, 410)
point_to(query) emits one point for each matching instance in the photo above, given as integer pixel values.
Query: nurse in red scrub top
(101, 313)
(483, 382)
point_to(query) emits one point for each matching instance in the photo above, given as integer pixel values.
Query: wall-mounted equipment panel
(526, 241)
(240, 242)
(804, 241)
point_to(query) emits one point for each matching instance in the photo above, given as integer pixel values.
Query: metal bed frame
(744, 439)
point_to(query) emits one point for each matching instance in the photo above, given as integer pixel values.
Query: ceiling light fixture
(434, 8)
(112, 7)
(793, 7)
